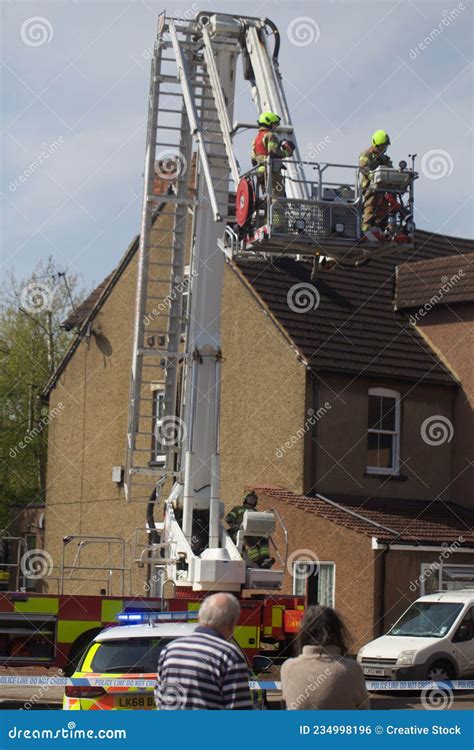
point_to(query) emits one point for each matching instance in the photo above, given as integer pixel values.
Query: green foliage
(32, 344)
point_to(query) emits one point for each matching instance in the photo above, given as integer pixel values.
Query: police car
(130, 652)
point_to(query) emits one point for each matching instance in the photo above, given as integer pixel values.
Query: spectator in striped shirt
(203, 670)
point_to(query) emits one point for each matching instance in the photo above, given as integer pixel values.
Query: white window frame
(157, 390)
(395, 468)
(319, 563)
(438, 566)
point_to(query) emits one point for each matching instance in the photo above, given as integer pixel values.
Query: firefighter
(257, 550)
(375, 206)
(267, 144)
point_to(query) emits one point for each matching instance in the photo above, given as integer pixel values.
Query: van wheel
(440, 671)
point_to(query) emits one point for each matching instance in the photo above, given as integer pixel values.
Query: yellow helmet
(380, 138)
(269, 119)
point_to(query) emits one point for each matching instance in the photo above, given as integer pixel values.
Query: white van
(432, 640)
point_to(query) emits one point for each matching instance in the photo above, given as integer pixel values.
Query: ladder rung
(167, 231)
(171, 93)
(160, 353)
(168, 265)
(171, 145)
(202, 96)
(164, 78)
(151, 472)
(170, 199)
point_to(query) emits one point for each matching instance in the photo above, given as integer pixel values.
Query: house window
(158, 457)
(383, 434)
(326, 580)
(436, 576)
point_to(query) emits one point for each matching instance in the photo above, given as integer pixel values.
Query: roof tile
(387, 519)
(352, 326)
(446, 280)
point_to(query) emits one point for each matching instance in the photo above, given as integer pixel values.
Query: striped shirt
(202, 671)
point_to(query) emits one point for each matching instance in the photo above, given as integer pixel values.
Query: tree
(32, 344)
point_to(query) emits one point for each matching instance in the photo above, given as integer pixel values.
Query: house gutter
(376, 545)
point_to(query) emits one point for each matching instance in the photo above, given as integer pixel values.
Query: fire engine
(177, 342)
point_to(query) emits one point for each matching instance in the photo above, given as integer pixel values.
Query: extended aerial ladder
(176, 370)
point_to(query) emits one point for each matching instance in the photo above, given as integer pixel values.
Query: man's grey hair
(219, 611)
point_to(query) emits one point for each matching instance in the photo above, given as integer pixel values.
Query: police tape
(372, 685)
(57, 681)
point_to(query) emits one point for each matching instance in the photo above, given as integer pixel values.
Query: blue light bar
(150, 616)
(131, 617)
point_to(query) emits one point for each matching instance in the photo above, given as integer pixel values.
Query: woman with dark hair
(322, 676)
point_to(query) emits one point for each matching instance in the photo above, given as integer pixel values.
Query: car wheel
(440, 671)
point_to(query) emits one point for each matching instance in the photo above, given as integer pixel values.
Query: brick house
(324, 409)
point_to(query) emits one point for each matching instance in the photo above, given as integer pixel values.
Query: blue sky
(74, 88)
